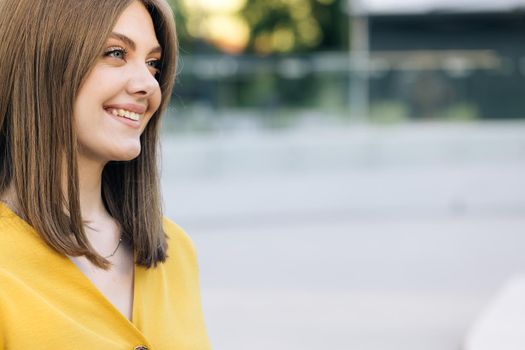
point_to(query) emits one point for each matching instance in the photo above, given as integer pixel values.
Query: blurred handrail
(220, 66)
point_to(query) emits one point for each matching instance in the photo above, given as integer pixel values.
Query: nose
(141, 82)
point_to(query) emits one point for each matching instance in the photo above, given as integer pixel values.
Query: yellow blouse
(46, 302)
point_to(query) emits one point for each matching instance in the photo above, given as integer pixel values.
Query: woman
(86, 259)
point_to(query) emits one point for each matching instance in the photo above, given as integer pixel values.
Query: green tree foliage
(282, 26)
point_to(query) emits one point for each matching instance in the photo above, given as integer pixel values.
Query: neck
(90, 189)
(9, 198)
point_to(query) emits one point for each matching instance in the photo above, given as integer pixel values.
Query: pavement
(351, 237)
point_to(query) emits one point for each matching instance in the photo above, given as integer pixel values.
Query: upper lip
(135, 108)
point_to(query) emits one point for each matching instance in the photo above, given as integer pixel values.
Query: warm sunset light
(261, 26)
(228, 32)
(214, 6)
(217, 22)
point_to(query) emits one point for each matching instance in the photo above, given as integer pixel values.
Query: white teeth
(125, 114)
(133, 116)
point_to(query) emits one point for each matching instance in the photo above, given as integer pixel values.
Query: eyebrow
(131, 43)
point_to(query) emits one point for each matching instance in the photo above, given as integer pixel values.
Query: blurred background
(350, 171)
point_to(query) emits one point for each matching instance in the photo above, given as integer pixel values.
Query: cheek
(99, 85)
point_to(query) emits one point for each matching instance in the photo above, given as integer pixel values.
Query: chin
(129, 155)
(126, 154)
(121, 151)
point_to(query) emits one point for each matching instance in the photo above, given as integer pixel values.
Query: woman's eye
(156, 65)
(118, 53)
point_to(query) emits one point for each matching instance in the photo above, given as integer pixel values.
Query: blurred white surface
(502, 324)
(351, 238)
(426, 6)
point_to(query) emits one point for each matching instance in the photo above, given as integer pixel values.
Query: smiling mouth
(122, 113)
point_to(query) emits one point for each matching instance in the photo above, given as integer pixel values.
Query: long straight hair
(47, 49)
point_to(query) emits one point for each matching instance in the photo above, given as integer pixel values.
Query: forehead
(136, 23)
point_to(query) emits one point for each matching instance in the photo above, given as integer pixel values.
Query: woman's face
(121, 93)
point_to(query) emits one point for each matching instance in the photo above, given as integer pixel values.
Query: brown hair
(47, 48)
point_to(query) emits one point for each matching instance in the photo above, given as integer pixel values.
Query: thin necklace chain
(11, 206)
(115, 251)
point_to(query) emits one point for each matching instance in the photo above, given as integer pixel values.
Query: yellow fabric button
(141, 347)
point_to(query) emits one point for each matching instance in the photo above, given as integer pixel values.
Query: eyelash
(116, 49)
(155, 64)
